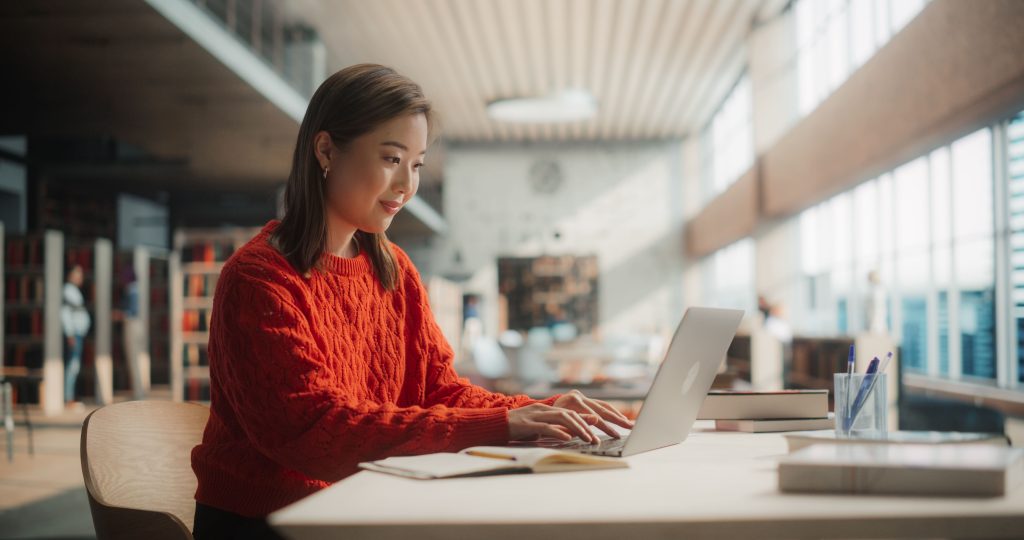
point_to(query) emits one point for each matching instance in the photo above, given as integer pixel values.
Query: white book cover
(797, 441)
(906, 469)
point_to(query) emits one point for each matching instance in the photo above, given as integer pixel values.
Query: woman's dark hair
(350, 103)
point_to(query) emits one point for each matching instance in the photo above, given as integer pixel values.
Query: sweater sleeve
(428, 344)
(273, 374)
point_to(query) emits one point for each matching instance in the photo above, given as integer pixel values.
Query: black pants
(216, 524)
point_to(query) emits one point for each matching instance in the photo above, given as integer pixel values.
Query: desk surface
(714, 485)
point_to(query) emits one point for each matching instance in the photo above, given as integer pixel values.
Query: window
(974, 252)
(913, 261)
(728, 141)
(835, 37)
(927, 232)
(728, 276)
(1015, 193)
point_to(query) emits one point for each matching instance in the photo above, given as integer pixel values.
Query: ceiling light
(561, 107)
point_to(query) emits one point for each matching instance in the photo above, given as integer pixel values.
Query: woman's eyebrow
(397, 144)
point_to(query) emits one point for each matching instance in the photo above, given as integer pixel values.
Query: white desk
(714, 485)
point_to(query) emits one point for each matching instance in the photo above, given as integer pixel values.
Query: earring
(325, 172)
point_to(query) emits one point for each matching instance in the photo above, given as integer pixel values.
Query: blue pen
(862, 392)
(871, 386)
(848, 405)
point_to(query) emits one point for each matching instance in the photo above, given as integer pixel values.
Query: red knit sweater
(310, 376)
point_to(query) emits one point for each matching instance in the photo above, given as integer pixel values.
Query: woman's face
(372, 179)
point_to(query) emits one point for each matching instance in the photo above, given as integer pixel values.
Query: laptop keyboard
(606, 445)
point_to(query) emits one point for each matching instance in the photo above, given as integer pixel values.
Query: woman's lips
(391, 207)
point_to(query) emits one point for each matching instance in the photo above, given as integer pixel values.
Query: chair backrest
(137, 465)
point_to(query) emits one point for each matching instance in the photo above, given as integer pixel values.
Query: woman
(323, 350)
(75, 321)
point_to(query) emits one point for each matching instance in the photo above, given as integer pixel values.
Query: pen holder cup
(857, 394)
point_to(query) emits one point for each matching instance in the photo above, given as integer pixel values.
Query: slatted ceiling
(675, 32)
(558, 39)
(709, 62)
(487, 75)
(704, 47)
(580, 30)
(649, 25)
(726, 61)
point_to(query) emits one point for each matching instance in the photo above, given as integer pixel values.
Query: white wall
(141, 222)
(622, 202)
(774, 86)
(13, 196)
(771, 64)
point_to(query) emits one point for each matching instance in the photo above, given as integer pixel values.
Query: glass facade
(728, 141)
(913, 251)
(834, 37)
(1015, 194)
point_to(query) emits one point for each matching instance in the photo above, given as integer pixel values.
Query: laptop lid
(683, 379)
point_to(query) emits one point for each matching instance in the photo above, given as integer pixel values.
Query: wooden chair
(137, 464)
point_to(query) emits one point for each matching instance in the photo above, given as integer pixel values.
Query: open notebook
(487, 460)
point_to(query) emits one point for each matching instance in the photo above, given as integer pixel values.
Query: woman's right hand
(540, 420)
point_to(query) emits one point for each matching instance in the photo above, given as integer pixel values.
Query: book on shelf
(489, 460)
(905, 469)
(27, 323)
(200, 285)
(798, 441)
(771, 425)
(82, 255)
(24, 288)
(196, 355)
(207, 252)
(24, 252)
(753, 405)
(194, 320)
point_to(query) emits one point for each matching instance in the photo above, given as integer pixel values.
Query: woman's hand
(574, 400)
(571, 416)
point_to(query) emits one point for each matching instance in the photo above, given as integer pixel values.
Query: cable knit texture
(311, 375)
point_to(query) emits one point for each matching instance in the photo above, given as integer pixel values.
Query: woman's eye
(393, 159)
(418, 165)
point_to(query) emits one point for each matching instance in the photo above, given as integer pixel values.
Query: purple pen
(859, 404)
(862, 392)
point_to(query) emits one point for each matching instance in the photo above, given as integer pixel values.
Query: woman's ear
(323, 147)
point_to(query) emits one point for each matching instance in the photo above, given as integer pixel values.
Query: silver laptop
(679, 388)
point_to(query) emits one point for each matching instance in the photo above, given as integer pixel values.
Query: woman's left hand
(599, 410)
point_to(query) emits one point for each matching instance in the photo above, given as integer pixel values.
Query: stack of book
(762, 412)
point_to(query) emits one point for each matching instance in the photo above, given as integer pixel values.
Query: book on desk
(975, 470)
(775, 425)
(779, 404)
(798, 441)
(490, 460)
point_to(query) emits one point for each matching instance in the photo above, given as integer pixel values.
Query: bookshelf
(193, 268)
(816, 359)
(157, 303)
(76, 209)
(534, 286)
(32, 337)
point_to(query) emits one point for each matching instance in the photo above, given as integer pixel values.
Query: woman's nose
(403, 181)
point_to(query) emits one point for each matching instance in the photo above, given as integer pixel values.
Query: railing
(292, 49)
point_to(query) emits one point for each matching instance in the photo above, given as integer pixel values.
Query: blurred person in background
(75, 321)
